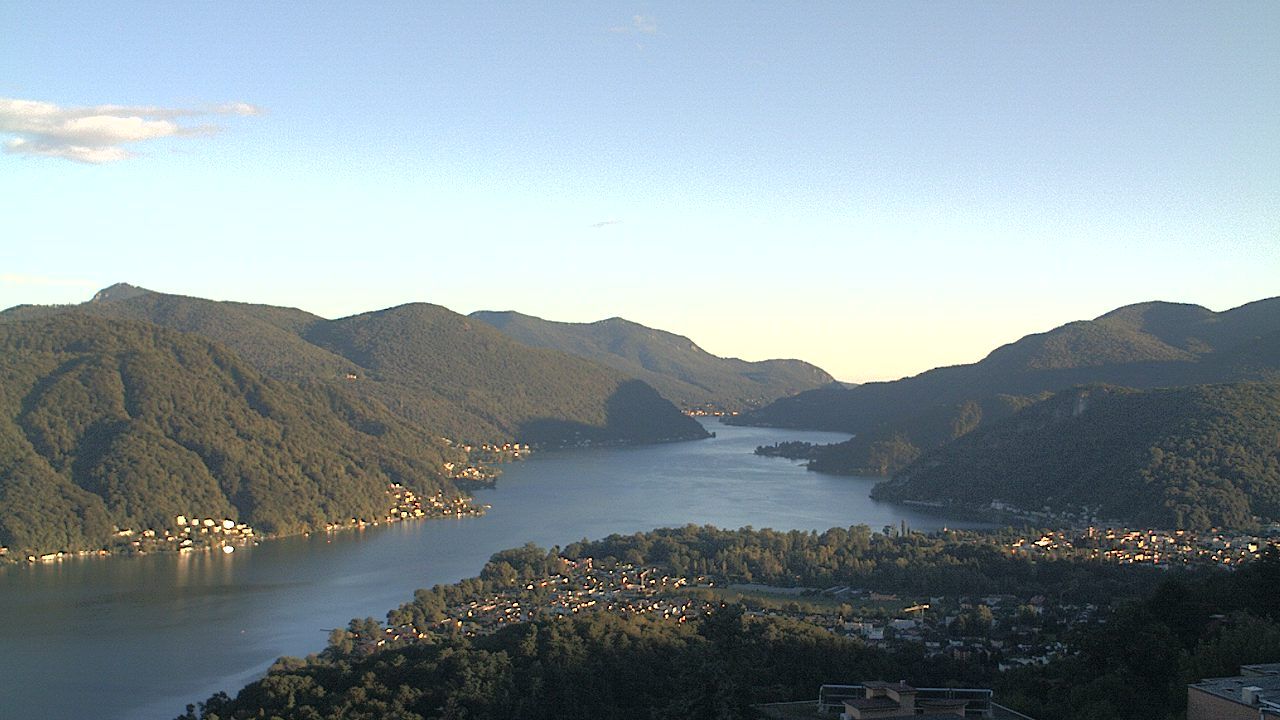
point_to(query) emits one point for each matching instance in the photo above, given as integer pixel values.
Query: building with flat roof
(879, 700)
(1254, 694)
(890, 701)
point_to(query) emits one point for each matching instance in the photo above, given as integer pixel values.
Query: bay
(137, 638)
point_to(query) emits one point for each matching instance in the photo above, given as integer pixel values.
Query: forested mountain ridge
(454, 376)
(108, 424)
(1144, 346)
(1192, 457)
(673, 364)
(527, 393)
(269, 337)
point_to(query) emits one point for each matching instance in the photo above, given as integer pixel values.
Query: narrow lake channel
(137, 638)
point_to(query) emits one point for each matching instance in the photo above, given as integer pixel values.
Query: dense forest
(1193, 457)
(951, 563)
(456, 377)
(597, 664)
(1137, 665)
(684, 373)
(885, 449)
(108, 424)
(1143, 346)
(593, 666)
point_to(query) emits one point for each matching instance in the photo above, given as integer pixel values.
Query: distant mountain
(1143, 346)
(268, 337)
(109, 424)
(680, 370)
(896, 445)
(1192, 457)
(446, 370)
(458, 377)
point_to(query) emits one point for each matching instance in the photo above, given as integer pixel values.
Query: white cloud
(96, 134)
(642, 24)
(606, 223)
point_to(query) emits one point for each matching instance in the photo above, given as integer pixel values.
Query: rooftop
(832, 700)
(1231, 688)
(807, 710)
(899, 687)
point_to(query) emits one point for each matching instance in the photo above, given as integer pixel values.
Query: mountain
(446, 370)
(1191, 457)
(458, 377)
(885, 449)
(681, 371)
(110, 424)
(268, 337)
(1147, 345)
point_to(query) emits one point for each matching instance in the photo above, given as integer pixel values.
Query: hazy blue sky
(877, 188)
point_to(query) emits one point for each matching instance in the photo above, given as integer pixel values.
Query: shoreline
(228, 545)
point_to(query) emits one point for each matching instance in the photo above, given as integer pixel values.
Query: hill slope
(114, 424)
(1191, 457)
(683, 372)
(1143, 346)
(457, 377)
(445, 370)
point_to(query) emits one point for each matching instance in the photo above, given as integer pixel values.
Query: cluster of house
(194, 533)
(407, 505)
(189, 534)
(514, 451)
(1008, 635)
(1162, 548)
(709, 410)
(202, 532)
(581, 586)
(474, 473)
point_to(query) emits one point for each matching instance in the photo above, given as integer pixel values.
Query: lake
(137, 638)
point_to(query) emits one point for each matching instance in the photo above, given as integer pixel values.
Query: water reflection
(139, 637)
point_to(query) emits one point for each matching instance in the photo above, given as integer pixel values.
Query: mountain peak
(119, 291)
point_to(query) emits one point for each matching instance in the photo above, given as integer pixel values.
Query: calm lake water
(139, 638)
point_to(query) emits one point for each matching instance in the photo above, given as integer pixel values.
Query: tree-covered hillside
(592, 662)
(1192, 457)
(266, 336)
(451, 372)
(683, 372)
(108, 424)
(1143, 346)
(456, 377)
(894, 445)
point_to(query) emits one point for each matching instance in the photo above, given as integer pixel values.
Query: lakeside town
(1001, 630)
(190, 534)
(1160, 548)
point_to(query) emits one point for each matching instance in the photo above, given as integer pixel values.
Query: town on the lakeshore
(192, 533)
(1003, 630)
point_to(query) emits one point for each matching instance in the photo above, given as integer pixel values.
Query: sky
(878, 188)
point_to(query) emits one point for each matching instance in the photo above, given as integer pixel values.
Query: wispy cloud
(606, 223)
(644, 24)
(98, 134)
(641, 24)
